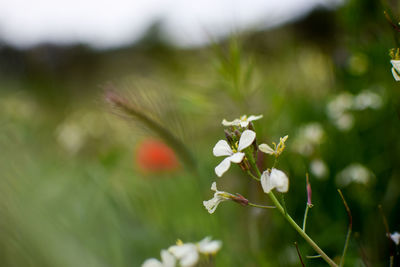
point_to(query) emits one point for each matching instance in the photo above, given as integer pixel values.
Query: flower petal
(223, 167)
(208, 246)
(167, 258)
(235, 122)
(152, 263)
(274, 179)
(280, 180)
(254, 118)
(222, 148)
(190, 259)
(244, 123)
(266, 182)
(212, 204)
(395, 75)
(246, 139)
(266, 149)
(237, 157)
(214, 187)
(395, 237)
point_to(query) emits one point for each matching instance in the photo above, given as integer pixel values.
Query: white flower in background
(243, 121)
(339, 109)
(356, 173)
(318, 168)
(167, 260)
(208, 246)
(342, 103)
(367, 99)
(274, 178)
(345, 122)
(219, 196)
(187, 254)
(396, 69)
(395, 237)
(71, 136)
(308, 137)
(277, 150)
(234, 155)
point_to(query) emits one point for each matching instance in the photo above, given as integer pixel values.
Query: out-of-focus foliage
(71, 194)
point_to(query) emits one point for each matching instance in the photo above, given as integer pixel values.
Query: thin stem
(261, 206)
(349, 229)
(292, 222)
(301, 232)
(252, 176)
(305, 217)
(298, 253)
(313, 257)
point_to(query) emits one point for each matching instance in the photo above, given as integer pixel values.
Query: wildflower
(153, 155)
(187, 253)
(208, 246)
(219, 196)
(274, 178)
(234, 155)
(168, 260)
(354, 173)
(318, 168)
(277, 150)
(395, 237)
(243, 121)
(396, 69)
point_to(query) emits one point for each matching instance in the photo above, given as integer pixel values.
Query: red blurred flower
(155, 156)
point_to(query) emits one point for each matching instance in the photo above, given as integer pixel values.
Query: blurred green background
(71, 190)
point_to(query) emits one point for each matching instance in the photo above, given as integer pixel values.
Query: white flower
(187, 254)
(395, 237)
(356, 173)
(219, 196)
(243, 121)
(274, 178)
(222, 148)
(396, 69)
(208, 246)
(277, 150)
(168, 260)
(318, 168)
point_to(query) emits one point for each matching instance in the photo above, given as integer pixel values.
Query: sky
(115, 23)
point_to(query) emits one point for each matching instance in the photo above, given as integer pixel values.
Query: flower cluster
(186, 254)
(240, 147)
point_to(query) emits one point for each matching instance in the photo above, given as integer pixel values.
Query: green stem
(292, 222)
(301, 232)
(252, 176)
(305, 217)
(261, 206)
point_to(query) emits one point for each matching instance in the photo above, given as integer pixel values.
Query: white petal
(280, 179)
(246, 139)
(207, 246)
(212, 204)
(395, 237)
(396, 64)
(214, 187)
(190, 259)
(152, 263)
(167, 258)
(237, 157)
(266, 182)
(266, 149)
(244, 123)
(274, 179)
(230, 123)
(254, 118)
(222, 167)
(395, 75)
(222, 148)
